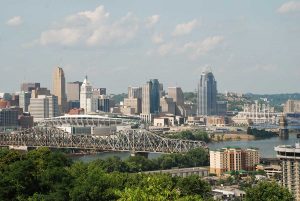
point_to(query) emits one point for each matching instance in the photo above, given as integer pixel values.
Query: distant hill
(237, 103)
(274, 99)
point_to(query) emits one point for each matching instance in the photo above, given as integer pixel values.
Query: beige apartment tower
(233, 158)
(59, 89)
(290, 167)
(291, 106)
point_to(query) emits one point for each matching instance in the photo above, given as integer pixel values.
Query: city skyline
(250, 46)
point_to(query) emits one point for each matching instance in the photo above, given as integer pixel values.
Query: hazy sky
(251, 46)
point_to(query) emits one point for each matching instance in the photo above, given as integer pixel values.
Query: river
(266, 148)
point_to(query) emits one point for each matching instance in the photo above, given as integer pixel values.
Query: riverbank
(231, 137)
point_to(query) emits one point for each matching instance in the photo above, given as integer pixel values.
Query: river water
(266, 148)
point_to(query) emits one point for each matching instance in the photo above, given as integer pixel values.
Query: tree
(199, 157)
(139, 163)
(194, 185)
(268, 191)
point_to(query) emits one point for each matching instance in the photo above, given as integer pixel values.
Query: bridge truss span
(127, 140)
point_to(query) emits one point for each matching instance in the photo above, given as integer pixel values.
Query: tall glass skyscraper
(155, 96)
(151, 97)
(207, 94)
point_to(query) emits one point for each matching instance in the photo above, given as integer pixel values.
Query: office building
(133, 103)
(26, 120)
(221, 108)
(207, 94)
(40, 91)
(4, 104)
(99, 91)
(88, 101)
(43, 106)
(292, 106)
(151, 97)
(73, 104)
(73, 91)
(103, 103)
(156, 91)
(233, 159)
(135, 92)
(146, 98)
(290, 166)
(24, 100)
(9, 118)
(177, 95)
(14, 101)
(167, 105)
(59, 89)
(28, 87)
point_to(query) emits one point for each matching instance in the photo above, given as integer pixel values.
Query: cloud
(193, 49)
(64, 36)
(152, 20)
(91, 28)
(157, 38)
(199, 48)
(166, 48)
(14, 21)
(120, 31)
(185, 28)
(291, 6)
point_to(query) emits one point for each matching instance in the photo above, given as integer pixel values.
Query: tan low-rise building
(233, 159)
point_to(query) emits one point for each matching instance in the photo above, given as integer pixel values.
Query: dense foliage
(117, 98)
(267, 191)
(190, 97)
(195, 157)
(260, 134)
(191, 135)
(44, 175)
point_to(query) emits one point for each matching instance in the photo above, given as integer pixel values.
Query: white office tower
(43, 106)
(24, 100)
(87, 101)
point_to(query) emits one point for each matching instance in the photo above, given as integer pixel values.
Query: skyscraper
(28, 86)
(155, 96)
(59, 89)
(290, 165)
(134, 92)
(207, 94)
(87, 100)
(177, 95)
(146, 98)
(24, 100)
(151, 97)
(73, 91)
(43, 106)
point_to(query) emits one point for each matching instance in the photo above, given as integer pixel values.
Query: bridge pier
(144, 154)
(284, 133)
(283, 130)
